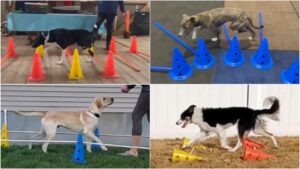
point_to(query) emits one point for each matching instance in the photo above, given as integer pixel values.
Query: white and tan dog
(84, 121)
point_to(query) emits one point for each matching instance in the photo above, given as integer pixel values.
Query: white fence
(168, 101)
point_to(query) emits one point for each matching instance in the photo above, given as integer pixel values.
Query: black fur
(65, 38)
(246, 117)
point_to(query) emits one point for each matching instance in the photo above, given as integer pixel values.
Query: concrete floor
(17, 70)
(281, 26)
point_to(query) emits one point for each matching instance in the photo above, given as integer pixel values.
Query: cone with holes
(37, 74)
(133, 46)
(251, 154)
(197, 146)
(234, 57)
(291, 75)
(112, 45)
(109, 68)
(181, 69)
(262, 58)
(127, 23)
(11, 52)
(78, 155)
(203, 59)
(75, 72)
(180, 155)
(96, 146)
(40, 50)
(252, 144)
(4, 136)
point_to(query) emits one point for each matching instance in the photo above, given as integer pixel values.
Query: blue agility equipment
(262, 58)
(78, 155)
(291, 75)
(234, 57)
(260, 25)
(159, 26)
(203, 59)
(96, 146)
(181, 69)
(160, 69)
(226, 33)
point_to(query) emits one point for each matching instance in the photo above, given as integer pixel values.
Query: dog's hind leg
(42, 134)
(50, 129)
(89, 146)
(261, 131)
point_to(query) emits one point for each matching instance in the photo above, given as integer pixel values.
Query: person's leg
(141, 108)
(100, 19)
(109, 29)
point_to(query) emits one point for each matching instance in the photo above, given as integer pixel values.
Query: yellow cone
(197, 146)
(4, 136)
(40, 50)
(75, 72)
(180, 155)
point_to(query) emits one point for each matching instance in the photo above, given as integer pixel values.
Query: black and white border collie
(63, 38)
(215, 120)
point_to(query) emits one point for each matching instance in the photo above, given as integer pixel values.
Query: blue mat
(248, 73)
(26, 22)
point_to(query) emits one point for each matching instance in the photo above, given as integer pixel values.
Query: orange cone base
(108, 76)
(33, 79)
(9, 55)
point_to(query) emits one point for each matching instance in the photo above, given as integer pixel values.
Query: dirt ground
(287, 155)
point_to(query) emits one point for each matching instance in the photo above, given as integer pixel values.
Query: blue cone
(262, 58)
(96, 146)
(234, 57)
(181, 69)
(291, 75)
(78, 155)
(203, 59)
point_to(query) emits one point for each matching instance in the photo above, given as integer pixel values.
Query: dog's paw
(89, 60)
(232, 150)
(104, 148)
(59, 62)
(250, 38)
(214, 39)
(184, 147)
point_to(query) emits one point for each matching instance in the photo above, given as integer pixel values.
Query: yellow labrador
(84, 121)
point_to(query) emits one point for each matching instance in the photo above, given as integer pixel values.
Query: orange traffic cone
(133, 46)
(68, 52)
(112, 45)
(11, 52)
(109, 68)
(127, 23)
(37, 73)
(251, 154)
(252, 144)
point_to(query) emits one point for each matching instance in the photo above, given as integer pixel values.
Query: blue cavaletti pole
(260, 24)
(159, 26)
(161, 69)
(226, 33)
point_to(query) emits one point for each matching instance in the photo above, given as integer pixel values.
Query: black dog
(62, 38)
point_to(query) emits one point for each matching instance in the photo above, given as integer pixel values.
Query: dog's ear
(184, 15)
(191, 108)
(193, 19)
(98, 102)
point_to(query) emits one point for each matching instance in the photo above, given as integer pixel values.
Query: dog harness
(95, 114)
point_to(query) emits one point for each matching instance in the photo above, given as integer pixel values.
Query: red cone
(112, 45)
(133, 46)
(251, 154)
(37, 73)
(11, 52)
(109, 68)
(252, 144)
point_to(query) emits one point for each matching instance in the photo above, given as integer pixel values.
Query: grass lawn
(60, 156)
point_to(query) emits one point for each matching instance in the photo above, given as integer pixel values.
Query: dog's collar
(95, 114)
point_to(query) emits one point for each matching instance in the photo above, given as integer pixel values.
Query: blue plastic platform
(26, 22)
(249, 74)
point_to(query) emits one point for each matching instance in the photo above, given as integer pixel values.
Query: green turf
(60, 156)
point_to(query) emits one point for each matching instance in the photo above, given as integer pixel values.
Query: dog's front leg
(63, 55)
(201, 136)
(194, 34)
(89, 146)
(92, 136)
(223, 140)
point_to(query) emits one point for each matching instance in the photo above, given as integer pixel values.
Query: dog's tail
(31, 113)
(273, 110)
(256, 27)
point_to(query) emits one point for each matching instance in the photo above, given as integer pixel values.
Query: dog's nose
(112, 99)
